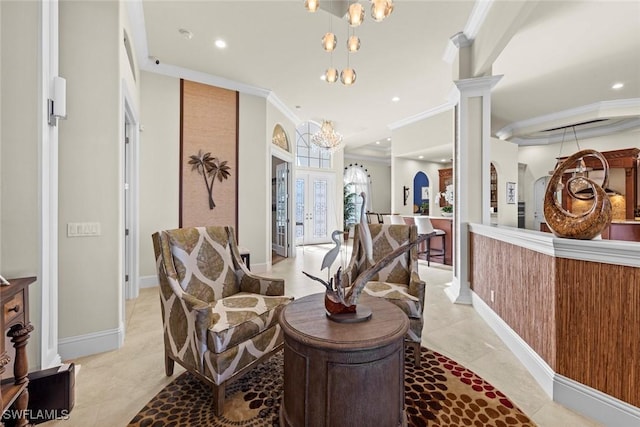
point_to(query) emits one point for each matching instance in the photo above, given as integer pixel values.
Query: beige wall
(19, 164)
(254, 181)
(159, 162)
(404, 170)
(380, 183)
(90, 168)
(433, 132)
(541, 159)
(504, 156)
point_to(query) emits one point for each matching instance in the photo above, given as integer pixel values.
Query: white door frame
(288, 158)
(281, 247)
(130, 119)
(539, 187)
(48, 188)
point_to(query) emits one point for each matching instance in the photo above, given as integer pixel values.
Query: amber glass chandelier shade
(348, 76)
(380, 9)
(311, 5)
(353, 44)
(329, 42)
(331, 75)
(355, 14)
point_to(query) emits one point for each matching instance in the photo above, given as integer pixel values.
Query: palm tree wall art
(210, 168)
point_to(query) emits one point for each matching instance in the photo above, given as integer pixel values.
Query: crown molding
(471, 29)
(449, 105)
(580, 133)
(273, 99)
(603, 109)
(383, 160)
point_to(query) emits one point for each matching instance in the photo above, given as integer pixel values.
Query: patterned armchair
(398, 282)
(219, 319)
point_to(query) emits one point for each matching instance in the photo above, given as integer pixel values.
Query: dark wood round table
(343, 374)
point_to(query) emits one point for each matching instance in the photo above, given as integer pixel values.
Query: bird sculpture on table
(336, 301)
(331, 256)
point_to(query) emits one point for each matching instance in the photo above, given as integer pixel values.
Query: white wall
(90, 173)
(159, 163)
(541, 159)
(19, 164)
(404, 170)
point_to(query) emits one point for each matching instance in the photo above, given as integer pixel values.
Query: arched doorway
(421, 193)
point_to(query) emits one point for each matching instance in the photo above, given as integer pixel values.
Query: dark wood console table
(343, 374)
(15, 320)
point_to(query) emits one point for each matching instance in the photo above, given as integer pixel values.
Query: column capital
(477, 86)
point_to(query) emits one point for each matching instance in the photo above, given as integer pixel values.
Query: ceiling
(565, 55)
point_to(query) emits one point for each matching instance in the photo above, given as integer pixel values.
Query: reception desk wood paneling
(576, 304)
(445, 224)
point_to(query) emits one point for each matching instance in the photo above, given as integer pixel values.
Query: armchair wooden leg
(416, 353)
(168, 365)
(218, 398)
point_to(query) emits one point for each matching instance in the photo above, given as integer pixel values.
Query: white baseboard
(578, 397)
(96, 342)
(260, 268)
(535, 364)
(594, 404)
(148, 281)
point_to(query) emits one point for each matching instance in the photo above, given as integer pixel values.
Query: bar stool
(424, 226)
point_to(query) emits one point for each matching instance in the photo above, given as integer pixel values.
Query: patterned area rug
(439, 393)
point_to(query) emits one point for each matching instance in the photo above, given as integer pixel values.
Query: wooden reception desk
(569, 309)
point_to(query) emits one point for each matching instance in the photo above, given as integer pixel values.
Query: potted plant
(349, 210)
(424, 208)
(447, 210)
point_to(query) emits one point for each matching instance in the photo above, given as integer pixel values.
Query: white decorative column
(472, 160)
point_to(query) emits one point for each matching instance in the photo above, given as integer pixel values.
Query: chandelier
(327, 138)
(380, 9)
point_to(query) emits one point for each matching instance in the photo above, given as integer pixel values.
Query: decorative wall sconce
(405, 190)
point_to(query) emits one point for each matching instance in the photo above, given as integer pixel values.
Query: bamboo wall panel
(581, 317)
(599, 326)
(208, 123)
(523, 282)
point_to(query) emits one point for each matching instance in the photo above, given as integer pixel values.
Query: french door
(281, 236)
(316, 215)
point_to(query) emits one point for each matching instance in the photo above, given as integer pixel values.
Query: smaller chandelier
(327, 138)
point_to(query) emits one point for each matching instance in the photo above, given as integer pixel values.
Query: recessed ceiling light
(185, 33)
(443, 160)
(395, 99)
(388, 139)
(323, 77)
(221, 44)
(421, 157)
(617, 86)
(378, 142)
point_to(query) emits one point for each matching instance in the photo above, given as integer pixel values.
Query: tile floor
(112, 387)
